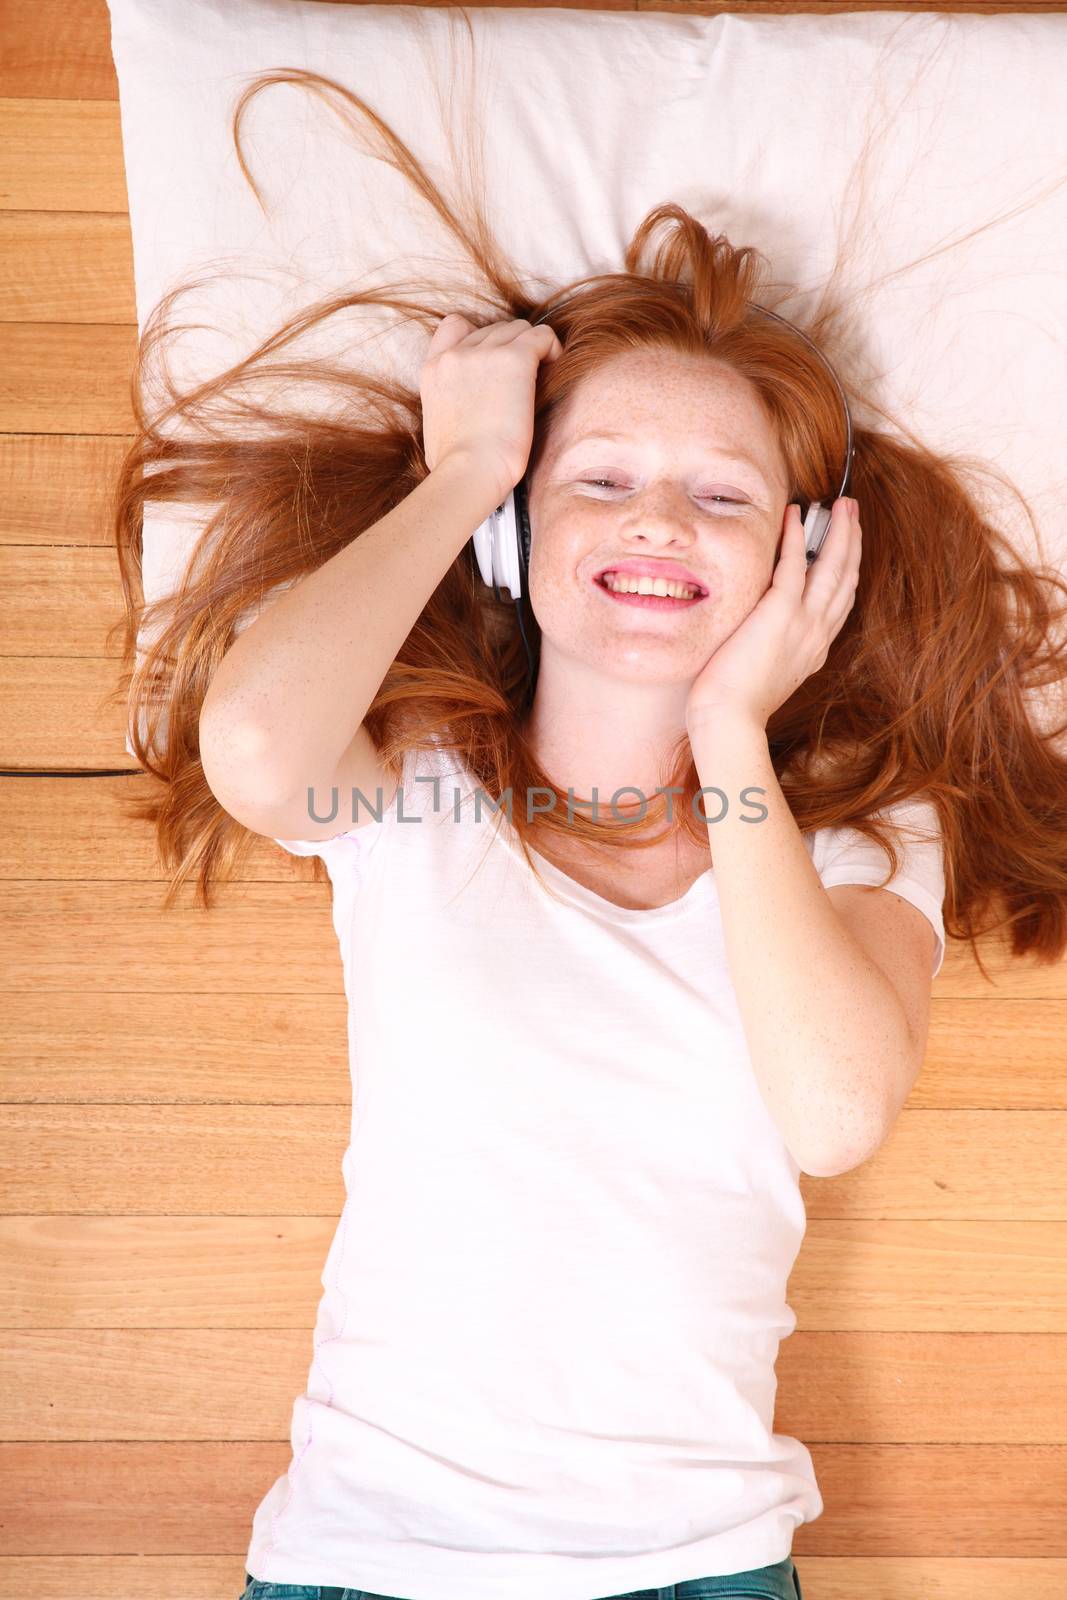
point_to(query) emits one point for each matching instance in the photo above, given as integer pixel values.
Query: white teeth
(620, 583)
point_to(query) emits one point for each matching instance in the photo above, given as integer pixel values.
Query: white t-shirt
(543, 1362)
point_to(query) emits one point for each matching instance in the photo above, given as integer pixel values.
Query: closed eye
(605, 483)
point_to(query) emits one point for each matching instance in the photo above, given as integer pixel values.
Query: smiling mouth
(646, 594)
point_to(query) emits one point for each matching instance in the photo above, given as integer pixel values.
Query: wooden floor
(177, 1095)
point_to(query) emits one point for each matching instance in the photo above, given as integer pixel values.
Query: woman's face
(677, 492)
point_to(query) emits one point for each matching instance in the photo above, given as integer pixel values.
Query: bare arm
(285, 708)
(834, 1046)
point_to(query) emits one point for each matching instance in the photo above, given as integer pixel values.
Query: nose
(660, 520)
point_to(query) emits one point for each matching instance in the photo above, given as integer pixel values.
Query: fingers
(541, 336)
(451, 330)
(834, 574)
(459, 331)
(834, 587)
(841, 547)
(499, 332)
(553, 348)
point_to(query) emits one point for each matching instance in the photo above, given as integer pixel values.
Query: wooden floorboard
(161, 1267)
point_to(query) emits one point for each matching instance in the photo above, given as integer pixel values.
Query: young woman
(589, 1072)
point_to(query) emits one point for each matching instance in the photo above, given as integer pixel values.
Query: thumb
(451, 330)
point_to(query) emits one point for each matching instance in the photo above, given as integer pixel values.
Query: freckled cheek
(558, 570)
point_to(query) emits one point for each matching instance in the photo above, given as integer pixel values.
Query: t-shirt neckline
(699, 891)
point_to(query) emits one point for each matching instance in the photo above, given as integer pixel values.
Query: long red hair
(925, 689)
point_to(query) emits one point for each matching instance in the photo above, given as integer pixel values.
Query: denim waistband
(778, 1581)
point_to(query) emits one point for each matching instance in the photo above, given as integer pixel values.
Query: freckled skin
(613, 679)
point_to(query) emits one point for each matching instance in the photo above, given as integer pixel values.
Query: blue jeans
(780, 1581)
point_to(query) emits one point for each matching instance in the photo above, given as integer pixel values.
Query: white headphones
(497, 542)
(502, 542)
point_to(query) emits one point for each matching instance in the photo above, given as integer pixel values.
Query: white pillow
(590, 119)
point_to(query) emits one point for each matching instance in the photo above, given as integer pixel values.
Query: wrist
(472, 476)
(715, 724)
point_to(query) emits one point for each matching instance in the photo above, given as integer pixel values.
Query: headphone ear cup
(816, 523)
(484, 540)
(522, 521)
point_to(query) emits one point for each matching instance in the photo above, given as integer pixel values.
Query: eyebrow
(738, 457)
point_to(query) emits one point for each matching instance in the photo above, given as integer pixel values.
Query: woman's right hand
(477, 387)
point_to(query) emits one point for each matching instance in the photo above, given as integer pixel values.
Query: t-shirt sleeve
(317, 847)
(346, 857)
(351, 844)
(842, 855)
(347, 853)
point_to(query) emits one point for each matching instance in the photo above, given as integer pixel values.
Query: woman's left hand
(787, 635)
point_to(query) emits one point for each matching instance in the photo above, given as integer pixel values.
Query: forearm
(823, 1023)
(292, 689)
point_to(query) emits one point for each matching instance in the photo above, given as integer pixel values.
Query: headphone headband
(849, 450)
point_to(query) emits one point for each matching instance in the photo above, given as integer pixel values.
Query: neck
(614, 737)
